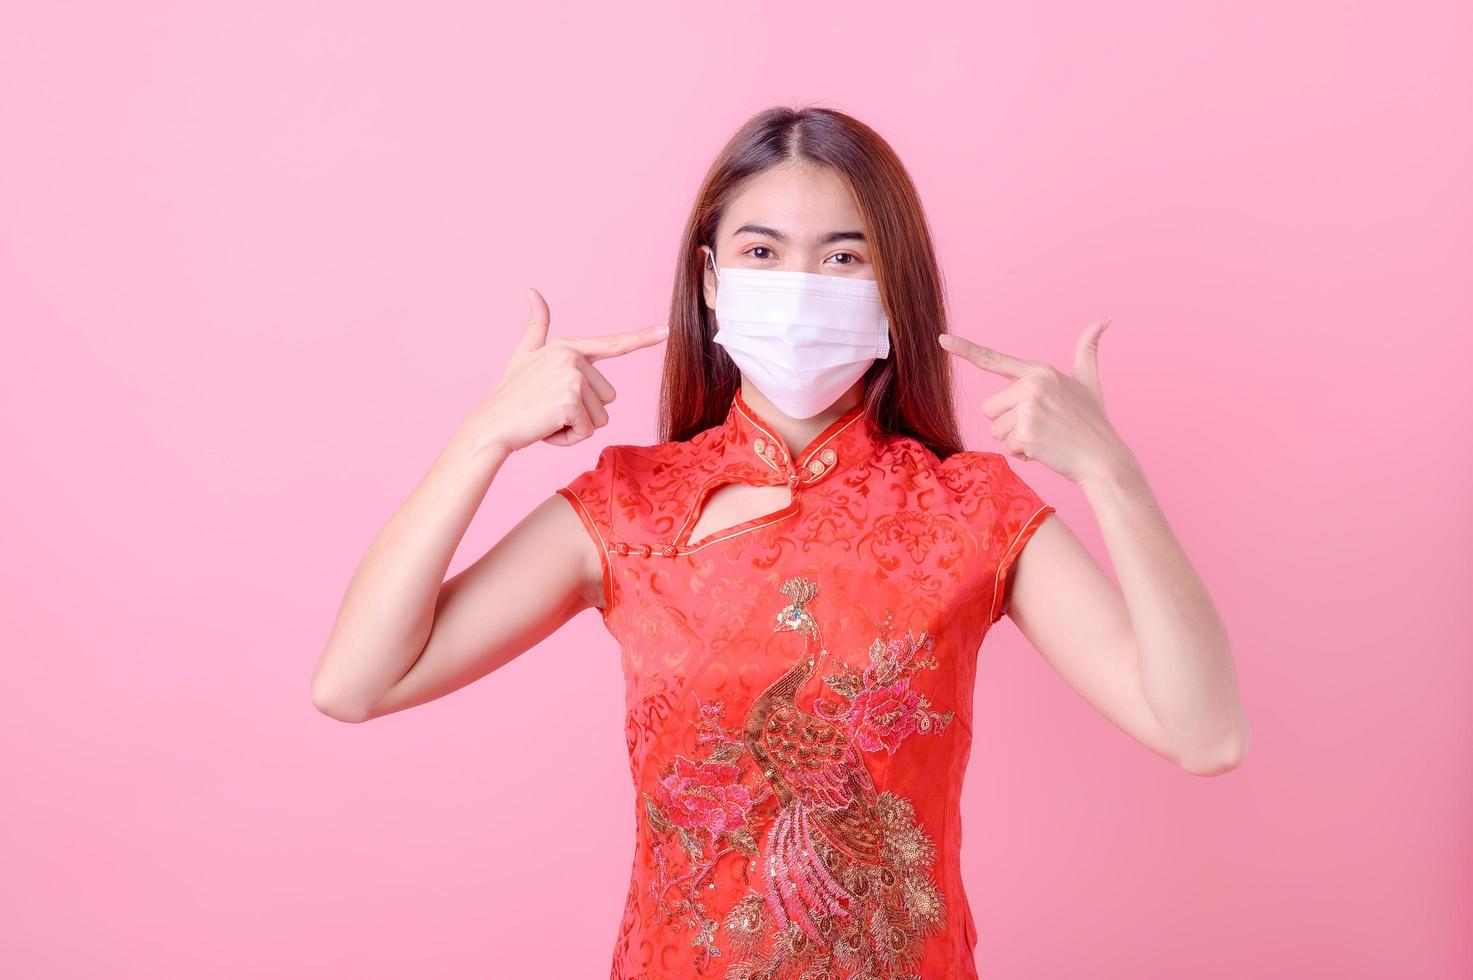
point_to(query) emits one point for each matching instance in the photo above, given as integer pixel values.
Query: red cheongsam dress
(799, 695)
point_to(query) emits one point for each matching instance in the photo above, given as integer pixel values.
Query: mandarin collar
(752, 452)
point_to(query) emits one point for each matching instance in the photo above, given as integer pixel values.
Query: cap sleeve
(1019, 513)
(591, 495)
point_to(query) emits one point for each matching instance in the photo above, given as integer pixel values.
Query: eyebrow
(833, 236)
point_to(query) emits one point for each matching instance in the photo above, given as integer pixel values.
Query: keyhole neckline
(751, 452)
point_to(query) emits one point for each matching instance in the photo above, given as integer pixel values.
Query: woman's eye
(847, 255)
(758, 248)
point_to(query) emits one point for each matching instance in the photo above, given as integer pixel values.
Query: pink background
(260, 258)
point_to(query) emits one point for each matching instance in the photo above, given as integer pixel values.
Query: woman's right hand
(551, 391)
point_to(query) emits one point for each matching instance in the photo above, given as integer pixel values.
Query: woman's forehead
(802, 202)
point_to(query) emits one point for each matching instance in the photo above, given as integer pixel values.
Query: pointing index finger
(614, 344)
(985, 358)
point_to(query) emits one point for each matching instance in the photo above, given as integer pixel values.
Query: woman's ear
(708, 277)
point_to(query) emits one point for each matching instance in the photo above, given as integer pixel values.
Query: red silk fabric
(799, 695)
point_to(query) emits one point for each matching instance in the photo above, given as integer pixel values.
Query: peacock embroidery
(837, 872)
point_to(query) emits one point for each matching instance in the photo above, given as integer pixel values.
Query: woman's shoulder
(963, 467)
(968, 473)
(635, 476)
(627, 459)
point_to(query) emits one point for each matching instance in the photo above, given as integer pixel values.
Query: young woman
(799, 574)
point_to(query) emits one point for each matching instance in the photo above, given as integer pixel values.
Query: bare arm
(1152, 655)
(403, 635)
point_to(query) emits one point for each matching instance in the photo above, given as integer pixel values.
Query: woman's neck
(798, 433)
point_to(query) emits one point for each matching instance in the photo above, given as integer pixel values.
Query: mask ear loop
(711, 255)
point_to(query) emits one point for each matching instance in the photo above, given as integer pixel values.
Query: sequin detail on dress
(886, 526)
(842, 877)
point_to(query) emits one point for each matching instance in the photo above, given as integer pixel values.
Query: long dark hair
(908, 393)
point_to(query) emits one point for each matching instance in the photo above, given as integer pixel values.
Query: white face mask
(801, 338)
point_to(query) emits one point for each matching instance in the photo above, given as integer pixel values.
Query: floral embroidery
(705, 795)
(842, 877)
(708, 797)
(882, 709)
(736, 870)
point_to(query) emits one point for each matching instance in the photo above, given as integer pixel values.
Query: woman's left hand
(1047, 415)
